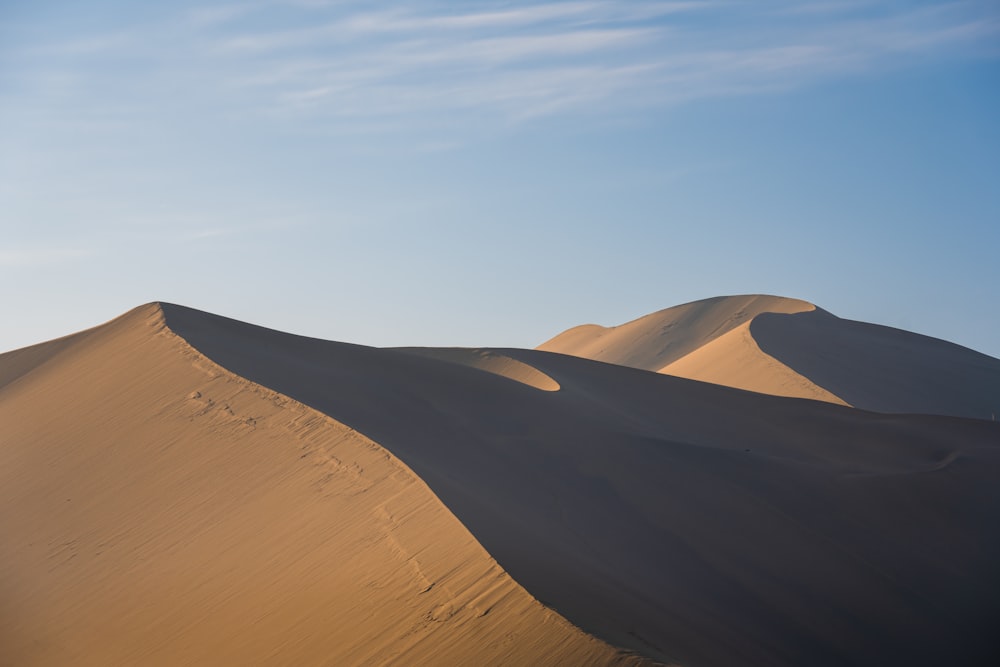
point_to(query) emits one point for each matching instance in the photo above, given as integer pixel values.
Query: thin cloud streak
(516, 63)
(388, 23)
(21, 258)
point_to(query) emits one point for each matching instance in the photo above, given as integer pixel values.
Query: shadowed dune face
(734, 359)
(786, 347)
(881, 368)
(691, 522)
(156, 509)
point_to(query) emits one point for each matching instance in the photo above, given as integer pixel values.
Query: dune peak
(790, 347)
(179, 486)
(654, 341)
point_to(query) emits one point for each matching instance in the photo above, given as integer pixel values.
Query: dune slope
(156, 509)
(661, 338)
(881, 368)
(695, 523)
(786, 347)
(735, 359)
(490, 361)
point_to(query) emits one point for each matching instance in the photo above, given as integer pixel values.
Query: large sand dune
(788, 347)
(178, 487)
(156, 509)
(691, 522)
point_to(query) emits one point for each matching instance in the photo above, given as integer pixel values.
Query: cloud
(211, 16)
(826, 7)
(31, 257)
(557, 57)
(327, 64)
(400, 23)
(202, 234)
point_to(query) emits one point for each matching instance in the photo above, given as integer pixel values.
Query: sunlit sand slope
(156, 509)
(661, 338)
(734, 359)
(791, 348)
(692, 522)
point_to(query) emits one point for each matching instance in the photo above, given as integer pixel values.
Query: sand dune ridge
(787, 347)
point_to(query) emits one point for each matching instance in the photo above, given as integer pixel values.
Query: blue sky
(490, 173)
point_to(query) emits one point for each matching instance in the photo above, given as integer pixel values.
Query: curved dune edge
(734, 359)
(791, 348)
(659, 339)
(490, 361)
(881, 368)
(159, 510)
(690, 522)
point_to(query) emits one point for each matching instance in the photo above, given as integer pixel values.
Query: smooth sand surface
(788, 347)
(882, 368)
(691, 522)
(656, 340)
(491, 361)
(735, 360)
(156, 509)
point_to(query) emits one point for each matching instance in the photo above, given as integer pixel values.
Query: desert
(504, 333)
(184, 488)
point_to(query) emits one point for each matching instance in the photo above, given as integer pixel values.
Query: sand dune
(181, 488)
(156, 509)
(787, 347)
(491, 361)
(734, 359)
(881, 368)
(656, 340)
(694, 523)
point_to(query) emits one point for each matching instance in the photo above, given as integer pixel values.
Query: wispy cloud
(527, 61)
(401, 23)
(91, 45)
(202, 234)
(334, 62)
(826, 6)
(209, 232)
(37, 256)
(216, 15)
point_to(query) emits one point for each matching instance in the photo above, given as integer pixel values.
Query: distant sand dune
(788, 347)
(661, 338)
(734, 359)
(881, 368)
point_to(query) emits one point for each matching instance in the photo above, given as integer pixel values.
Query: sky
(491, 173)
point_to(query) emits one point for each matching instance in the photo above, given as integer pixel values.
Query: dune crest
(180, 487)
(734, 359)
(159, 510)
(491, 361)
(693, 523)
(657, 340)
(881, 368)
(787, 347)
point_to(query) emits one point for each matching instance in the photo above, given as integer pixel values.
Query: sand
(735, 359)
(158, 510)
(656, 340)
(694, 523)
(788, 347)
(178, 487)
(882, 368)
(490, 361)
